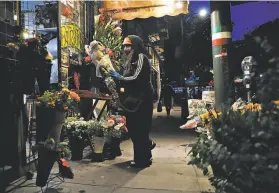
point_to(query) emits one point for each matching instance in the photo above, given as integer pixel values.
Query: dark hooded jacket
(137, 83)
(136, 78)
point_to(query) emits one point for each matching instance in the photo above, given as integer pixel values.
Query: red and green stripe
(220, 36)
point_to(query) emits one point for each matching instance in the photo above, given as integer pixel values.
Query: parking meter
(247, 65)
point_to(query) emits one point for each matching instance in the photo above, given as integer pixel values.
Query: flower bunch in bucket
(62, 100)
(116, 125)
(76, 127)
(97, 128)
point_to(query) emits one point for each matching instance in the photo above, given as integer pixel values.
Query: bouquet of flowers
(77, 128)
(116, 125)
(62, 100)
(97, 128)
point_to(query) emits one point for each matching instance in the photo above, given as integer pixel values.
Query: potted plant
(50, 116)
(243, 150)
(116, 127)
(51, 112)
(49, 153)
(77, 131)
(98, 130)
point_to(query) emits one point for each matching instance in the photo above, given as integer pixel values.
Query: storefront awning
(131, 9)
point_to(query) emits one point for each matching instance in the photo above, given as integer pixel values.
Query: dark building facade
(11, 153)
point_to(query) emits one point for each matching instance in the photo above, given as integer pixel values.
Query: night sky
(245, 16)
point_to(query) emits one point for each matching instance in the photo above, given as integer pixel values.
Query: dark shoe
(140, 165)
(153, 145)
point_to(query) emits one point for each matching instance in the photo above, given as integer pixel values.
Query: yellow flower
(65, 90)
(51, 104)
(49, 56)
(12, 46)
(252, 107)
(276, 102)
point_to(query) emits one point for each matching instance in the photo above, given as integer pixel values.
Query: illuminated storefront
(71, 37)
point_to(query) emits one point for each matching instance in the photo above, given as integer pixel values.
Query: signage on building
(70, 36)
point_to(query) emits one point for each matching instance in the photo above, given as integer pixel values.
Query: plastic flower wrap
(116, 125)
(63, 100)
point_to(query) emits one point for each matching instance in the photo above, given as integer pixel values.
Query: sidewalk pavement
(169, 172)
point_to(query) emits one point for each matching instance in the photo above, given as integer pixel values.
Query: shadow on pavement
(125, 166)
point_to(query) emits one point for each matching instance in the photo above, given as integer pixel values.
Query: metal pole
(221, 29)
(59, 44)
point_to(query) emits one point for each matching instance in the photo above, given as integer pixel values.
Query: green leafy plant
(243, 151)
(77, 128)
(97, 128)
(62, 148)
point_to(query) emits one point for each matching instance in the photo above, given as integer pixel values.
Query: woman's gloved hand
(115, 74)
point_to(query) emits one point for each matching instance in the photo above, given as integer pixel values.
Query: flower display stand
(49, 125)
(77, 146)
(99, 143)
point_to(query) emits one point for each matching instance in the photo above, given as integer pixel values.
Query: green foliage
(244, 148)
(105, 33)
(62, 148)
(62, 100)
(76, 128)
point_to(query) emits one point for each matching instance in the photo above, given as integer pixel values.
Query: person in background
(167, 95)
(206, 75)
(137, 87)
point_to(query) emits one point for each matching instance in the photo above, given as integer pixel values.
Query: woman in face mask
(138, 97)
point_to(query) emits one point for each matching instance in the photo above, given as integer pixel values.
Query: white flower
(118, 127)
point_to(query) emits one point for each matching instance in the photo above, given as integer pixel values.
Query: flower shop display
(49, 153)
(196, 107)
(106, 136)
(103, 67)
(206, 120)
(116, 129)
(77, 131)
(98, 129)
(51, 112)
(109, 33)
(50, 116)
(208, 96)
(243, 150)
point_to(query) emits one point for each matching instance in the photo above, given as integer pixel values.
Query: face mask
(127, 49)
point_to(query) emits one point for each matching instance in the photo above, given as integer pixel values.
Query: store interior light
(203, 12)
(25, 35)
(179, 5)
